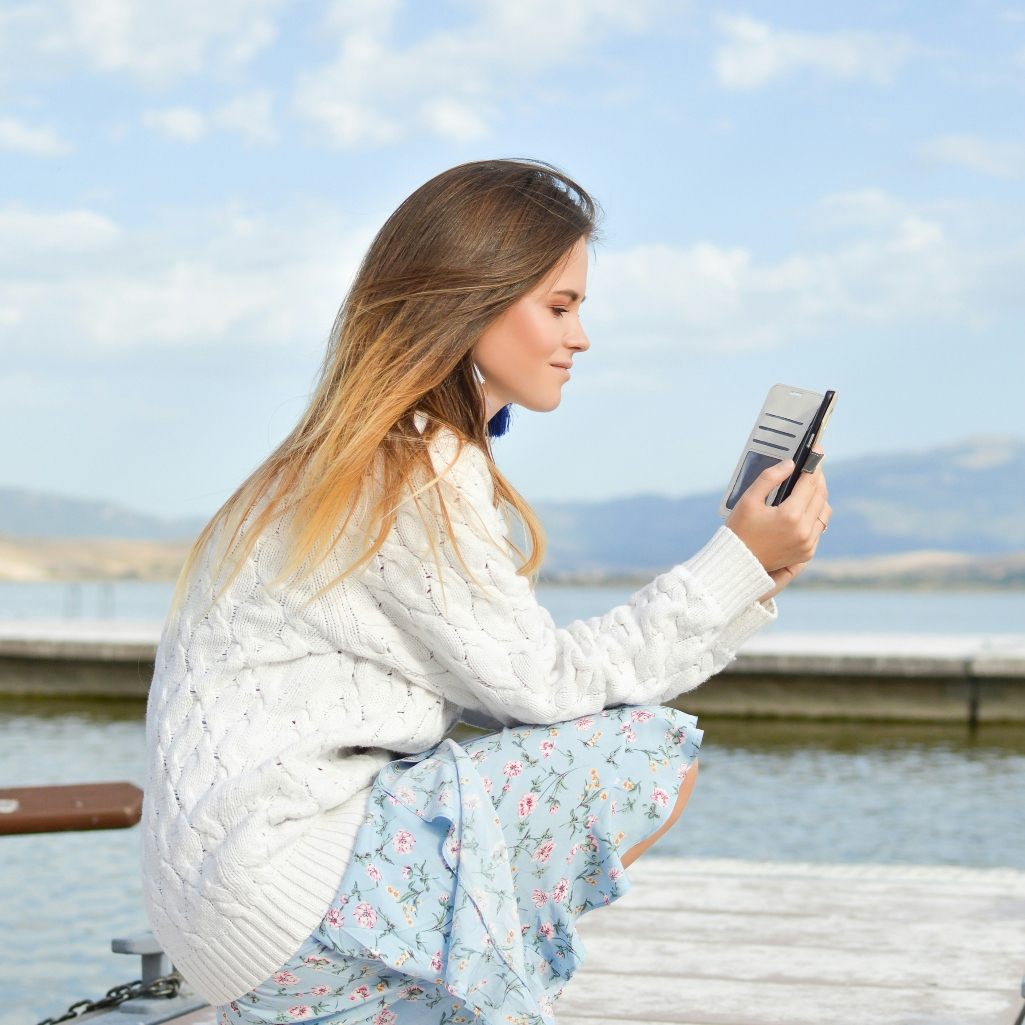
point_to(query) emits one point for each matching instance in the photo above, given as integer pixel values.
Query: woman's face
(525, 356)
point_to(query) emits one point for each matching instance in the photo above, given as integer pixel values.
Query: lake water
(818, 611)
(783, 791)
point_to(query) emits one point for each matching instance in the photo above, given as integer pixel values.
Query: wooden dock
(925, 677)
(717, 942)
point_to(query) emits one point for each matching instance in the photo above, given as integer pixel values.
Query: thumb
(769, 479)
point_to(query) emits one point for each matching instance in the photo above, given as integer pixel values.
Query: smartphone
(792, 420)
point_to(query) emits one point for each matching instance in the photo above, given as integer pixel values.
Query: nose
(578, 340)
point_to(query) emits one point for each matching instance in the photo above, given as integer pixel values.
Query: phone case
(791, 421)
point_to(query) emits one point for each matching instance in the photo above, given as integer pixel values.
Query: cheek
(534, 336)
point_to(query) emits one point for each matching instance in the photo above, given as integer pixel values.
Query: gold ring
(825, 526)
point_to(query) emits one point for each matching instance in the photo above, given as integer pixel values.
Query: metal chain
(165, 986)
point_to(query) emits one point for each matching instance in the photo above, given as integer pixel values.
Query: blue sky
(819, 193)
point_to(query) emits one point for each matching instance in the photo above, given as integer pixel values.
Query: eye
(559, 310)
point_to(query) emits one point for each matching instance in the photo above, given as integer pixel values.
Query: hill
(38, 514)
(967, 498)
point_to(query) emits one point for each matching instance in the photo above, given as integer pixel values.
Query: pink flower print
(436, 962)
(560, 891)
(406, 871)
(405, 794)
(384, 1017)
(545, 1003)
(682, 771)
(402, 841)
(628, 732)
(512, 768)
(640, 715)
(547, 747)
(540, 898)
(585, 722)
(320, 991)
(528, 802)
(444, 797)
(298, 1011)
(543, 851)
(374, 872)
(590, 821)
(366, 916)
(659, 796)
(443, 899)
(472, 802)
(286, 979)
(546, 929)
(543, 967)
(317, 964)
(487, 783)
(553, 809)
(614, 807)
(334, 918)
(360, 993)
(615, 873)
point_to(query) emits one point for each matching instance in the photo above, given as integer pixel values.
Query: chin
(542, 404)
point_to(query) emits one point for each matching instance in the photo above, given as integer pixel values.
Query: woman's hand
(782, 538)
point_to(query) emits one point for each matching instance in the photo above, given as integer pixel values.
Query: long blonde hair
(449, 261)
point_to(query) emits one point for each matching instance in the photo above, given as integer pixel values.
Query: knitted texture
(273, 708)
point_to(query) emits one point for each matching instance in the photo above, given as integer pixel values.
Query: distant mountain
(968, 497)
(37, 514)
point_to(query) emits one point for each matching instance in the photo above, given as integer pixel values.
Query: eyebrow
(570, 294)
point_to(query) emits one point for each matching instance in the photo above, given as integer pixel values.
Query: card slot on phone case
(807, 412)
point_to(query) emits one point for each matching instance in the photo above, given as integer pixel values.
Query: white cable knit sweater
(271, 714)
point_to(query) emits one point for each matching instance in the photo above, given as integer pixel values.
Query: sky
(824, 194)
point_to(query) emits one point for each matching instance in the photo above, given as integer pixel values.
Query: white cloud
(25, 234)
(76, 279)
(449, 83)
(176, 124)
(232, 277)
(251, 115)
(18, 137)
(889, 263)
(248, 114)
(154, 43)
(755, 53)
(998, 159)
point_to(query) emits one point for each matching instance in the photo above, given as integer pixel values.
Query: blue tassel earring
(500, 422)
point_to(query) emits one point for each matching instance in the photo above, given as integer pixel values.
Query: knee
(686, 789)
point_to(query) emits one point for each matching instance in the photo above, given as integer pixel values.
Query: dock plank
(718, 942)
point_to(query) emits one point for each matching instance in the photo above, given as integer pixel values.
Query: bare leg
(681, 801)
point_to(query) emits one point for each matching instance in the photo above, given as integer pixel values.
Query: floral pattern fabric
(460, 902)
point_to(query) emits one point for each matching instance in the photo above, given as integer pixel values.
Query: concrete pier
(77, 658)
(924, 677)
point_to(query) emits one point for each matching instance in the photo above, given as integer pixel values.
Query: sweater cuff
(750, 621)
(732, 576)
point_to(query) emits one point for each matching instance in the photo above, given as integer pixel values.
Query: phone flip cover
(776, 436)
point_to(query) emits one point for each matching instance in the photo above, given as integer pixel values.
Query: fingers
(768, 480)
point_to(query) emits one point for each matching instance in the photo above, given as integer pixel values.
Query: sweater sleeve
(483, 642)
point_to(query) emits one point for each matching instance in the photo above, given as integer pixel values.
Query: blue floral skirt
(461, 899)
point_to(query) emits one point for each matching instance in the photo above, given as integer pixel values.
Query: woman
(359, 595)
